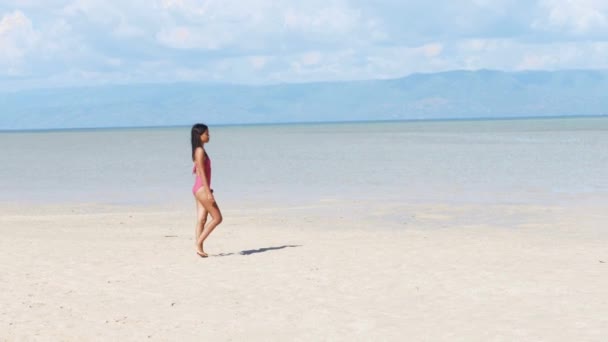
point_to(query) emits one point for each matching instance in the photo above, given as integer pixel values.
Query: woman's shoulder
(199, 152)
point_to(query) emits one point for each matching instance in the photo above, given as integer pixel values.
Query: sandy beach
(387, 171)
(332, 270)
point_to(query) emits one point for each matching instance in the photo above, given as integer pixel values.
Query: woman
(205, 202)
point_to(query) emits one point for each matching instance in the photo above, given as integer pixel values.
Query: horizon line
(109, 128)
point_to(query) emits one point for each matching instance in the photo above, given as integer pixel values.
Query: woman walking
(203, 194)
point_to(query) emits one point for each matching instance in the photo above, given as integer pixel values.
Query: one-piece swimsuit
(198, 182)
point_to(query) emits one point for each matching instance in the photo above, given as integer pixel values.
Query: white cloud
(432, 50)
(114, 62)
(208, 25)
(260, 24)
(181, 37)
(510, 54)
(258, 62)
(578, 17)
(258, 41)
(563, 56)
(311, 58)
(126, 30)
(531, 61)
(115, 17)
(17, 39)
(329, 20)
(177, 37)
(34, 4)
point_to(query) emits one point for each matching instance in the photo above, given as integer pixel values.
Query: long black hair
(197, 130)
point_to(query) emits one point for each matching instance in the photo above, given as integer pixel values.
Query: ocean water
(482, 161)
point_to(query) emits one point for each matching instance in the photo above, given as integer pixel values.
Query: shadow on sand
(255, 251)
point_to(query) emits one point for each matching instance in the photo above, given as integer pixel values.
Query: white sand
(335, 271)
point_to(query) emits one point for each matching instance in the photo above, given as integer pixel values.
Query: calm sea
(493, 161)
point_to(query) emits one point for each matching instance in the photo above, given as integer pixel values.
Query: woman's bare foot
(199, 249)
(200, 252)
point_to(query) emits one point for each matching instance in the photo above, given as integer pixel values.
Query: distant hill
(451, 95)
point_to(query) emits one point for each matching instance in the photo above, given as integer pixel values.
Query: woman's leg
(216, 217)
(201, 219)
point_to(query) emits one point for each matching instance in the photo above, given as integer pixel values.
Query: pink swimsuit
(198, 183)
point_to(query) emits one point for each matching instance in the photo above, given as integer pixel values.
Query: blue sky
(82, 42)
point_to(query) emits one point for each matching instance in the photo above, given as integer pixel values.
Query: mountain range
(444, 95)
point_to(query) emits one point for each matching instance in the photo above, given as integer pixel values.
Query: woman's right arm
(199, 155)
